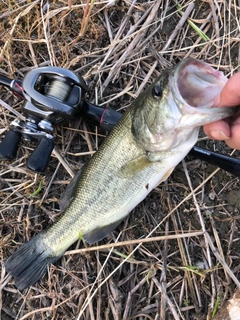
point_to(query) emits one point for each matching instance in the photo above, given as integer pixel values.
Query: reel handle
(39, 159)
(9, 145)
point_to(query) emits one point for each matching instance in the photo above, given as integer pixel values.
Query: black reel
(51, 95)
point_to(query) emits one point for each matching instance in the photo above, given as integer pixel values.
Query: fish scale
(152, 137)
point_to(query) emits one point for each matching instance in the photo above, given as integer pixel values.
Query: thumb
(230, 94)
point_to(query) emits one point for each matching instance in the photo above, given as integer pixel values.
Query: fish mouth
(197, 83)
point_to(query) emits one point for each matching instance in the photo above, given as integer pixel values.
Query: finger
(219, 130)
(230, 94)
(234, 141)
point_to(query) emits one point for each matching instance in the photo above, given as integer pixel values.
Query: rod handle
(224, 162)
(109, 119)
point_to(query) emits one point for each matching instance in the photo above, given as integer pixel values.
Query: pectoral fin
(134, 166)
(101, 232)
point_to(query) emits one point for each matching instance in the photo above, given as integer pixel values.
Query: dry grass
(178, 256)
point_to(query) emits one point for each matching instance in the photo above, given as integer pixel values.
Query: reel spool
(51, 95)
(57, 89)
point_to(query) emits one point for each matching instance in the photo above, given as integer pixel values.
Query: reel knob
(39, 159)
(8, 146)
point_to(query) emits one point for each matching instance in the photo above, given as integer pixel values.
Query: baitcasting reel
(51, 95)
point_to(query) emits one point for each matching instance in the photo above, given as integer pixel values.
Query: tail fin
(29, 263)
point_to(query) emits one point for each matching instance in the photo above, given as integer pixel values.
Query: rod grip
(39, 159)
(105, 118)
(224, 162)
(109, 119)
(9, 145)
(16, 87)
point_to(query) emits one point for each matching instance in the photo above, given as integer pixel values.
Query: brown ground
(114, 48)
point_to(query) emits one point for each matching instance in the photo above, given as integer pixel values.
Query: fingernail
(218, 135)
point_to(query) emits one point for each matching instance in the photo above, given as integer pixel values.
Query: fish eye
(157, 91)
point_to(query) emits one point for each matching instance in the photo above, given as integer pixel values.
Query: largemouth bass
(152, 137)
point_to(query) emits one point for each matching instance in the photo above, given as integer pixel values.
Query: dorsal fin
(70, 191)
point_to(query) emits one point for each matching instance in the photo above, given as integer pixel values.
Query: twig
(178, 26)
(137, 241)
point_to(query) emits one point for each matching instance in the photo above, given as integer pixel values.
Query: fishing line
(58, 89)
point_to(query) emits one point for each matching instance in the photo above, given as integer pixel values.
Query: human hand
(228, 129)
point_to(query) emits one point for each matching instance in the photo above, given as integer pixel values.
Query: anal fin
(101, 232)
(167, 174)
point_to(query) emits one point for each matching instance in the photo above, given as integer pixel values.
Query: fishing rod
(52, 95)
